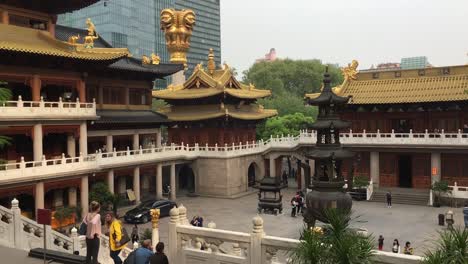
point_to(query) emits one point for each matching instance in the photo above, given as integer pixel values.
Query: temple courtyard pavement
(417, 224)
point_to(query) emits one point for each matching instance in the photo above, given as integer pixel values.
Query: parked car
(141, 213)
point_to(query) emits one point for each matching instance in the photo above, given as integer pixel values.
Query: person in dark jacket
(159, 257)
(389, 199)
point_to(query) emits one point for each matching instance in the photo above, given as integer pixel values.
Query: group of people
(91, 228)
(408, 250)
(197, 221)
(297, 203)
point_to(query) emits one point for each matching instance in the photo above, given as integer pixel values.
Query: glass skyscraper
(135, 24)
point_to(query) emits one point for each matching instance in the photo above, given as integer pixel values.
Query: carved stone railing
(25, 171)
(21, 110)
(189, 244)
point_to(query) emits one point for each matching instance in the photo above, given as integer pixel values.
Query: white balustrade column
(173, 182)
(17, 223)
(71, 146)
(159, 181)
(435, 167)
(39, 196)
(172, 236)
(272, 167)
(83, 139)
(375, 167)
(72, 197)
(109, 143)
(255, 251)
(84, 195)
(110, 180)
(37, 142)
(136, 183)
(136, 141)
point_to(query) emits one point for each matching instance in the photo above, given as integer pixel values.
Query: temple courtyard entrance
(417, 224)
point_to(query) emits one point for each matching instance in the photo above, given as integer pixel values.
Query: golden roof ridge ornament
(211, 62)
(177, 26)
(92, 34)
(350, 72)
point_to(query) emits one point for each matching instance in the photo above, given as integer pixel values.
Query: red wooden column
(35, 84)
(5, 17)
(81, 88)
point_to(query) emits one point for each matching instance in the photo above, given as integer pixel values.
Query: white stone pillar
(435, 167)
(71, 146)
(72, 197)
(375, 167)
(110, 180)
(37, 142)
(109, 143)
(158, 138)
(172, 236)
(136, 141)
(39, 196)
(83, 139)
(121, 184)
(136, 184)
(84, 195)
(159, 181)
(58, 198)
(272, 167)
(255, 252)
(17, 223)
(173, 182)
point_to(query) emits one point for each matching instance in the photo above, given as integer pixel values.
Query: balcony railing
(21, 110)
(24, 170)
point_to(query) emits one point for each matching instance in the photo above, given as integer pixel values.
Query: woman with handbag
(92, 224)
(118, 237)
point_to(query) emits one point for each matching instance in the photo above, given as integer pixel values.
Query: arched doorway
(186, 179)
(252, 174)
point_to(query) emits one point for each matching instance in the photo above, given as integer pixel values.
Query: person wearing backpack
(91, 227)
(117, 237)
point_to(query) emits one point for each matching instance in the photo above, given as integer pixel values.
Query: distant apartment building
(136, 25)
(414, 63)
(270, 56)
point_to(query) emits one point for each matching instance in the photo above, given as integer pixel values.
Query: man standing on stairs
(389, 199)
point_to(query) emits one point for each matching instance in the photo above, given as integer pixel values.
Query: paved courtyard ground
(417, 224)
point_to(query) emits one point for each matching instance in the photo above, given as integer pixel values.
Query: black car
(141, 213)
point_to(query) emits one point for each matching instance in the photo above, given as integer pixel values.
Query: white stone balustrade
(189, 244)
(27, 110)
(24, 171)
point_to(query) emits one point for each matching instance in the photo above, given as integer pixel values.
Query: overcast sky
(337, 31)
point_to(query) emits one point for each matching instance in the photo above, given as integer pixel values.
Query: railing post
(256, 237)
(60, 103)
(392, 135)
(172, 146)
(426, 134)
(81, 158)
(41, 102)
(216, 147)
(378, 133)
(172, 239)
(17, 225)
(20, 101)
(128, 151)
(22, 163)
(364, 135)
(43, 161)
(76, 240)
(77, 103)
(410, 133)
(64, 160)
(140, 150)
(233, 146)
(94, 103)
(196, 147)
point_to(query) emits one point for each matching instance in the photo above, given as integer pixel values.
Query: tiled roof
(129, 117)
(441, 84)
(33, 41)
(203, 112)
(50, 6)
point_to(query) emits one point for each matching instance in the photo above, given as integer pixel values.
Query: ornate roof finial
(211, 62)
(350, 72)
(155, 59)
(145, 60)
(92, 34)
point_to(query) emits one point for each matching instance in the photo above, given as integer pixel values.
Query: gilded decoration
(145, 60)
(92, 34)
(155, 213)
(73, 39)
(155, 59)
(177, 26)
(211, 62)
(350, 72)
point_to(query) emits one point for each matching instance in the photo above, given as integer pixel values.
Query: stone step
(402, 198)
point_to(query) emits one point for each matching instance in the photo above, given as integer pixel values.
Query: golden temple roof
(33, 41)
(210, 82)
(202, 112)
(438, 84)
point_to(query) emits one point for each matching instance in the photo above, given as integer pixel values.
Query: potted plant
(439, 188)
(359, 189)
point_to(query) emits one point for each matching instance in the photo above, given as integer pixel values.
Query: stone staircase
(402, 196)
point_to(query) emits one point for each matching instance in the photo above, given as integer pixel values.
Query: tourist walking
(135, 235)
(200, 221)
(116, 241)
(396, 246)
(159, 257)
(381, 240)
(143, 254)
(389, 199)
(194, 221)
(293, 206)
(465, 214)
(92, 221)
(408, 250)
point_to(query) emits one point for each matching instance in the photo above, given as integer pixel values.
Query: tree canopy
(289, 124)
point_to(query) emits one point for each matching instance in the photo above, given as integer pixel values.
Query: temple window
(114, 95)
(138, 96)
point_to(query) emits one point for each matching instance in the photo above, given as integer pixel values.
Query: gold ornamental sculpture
(155, 213)
(178, 26)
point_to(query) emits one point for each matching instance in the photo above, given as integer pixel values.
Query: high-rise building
(135, 25)
(419, 62)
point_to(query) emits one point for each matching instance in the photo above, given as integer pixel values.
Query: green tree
(101, 194)
(338, 244)
(451, 248)
(63, 213)
(283, 125)
(439, 188)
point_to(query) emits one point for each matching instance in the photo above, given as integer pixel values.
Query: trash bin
(441, 219)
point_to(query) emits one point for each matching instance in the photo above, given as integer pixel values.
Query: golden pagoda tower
(212, 107)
